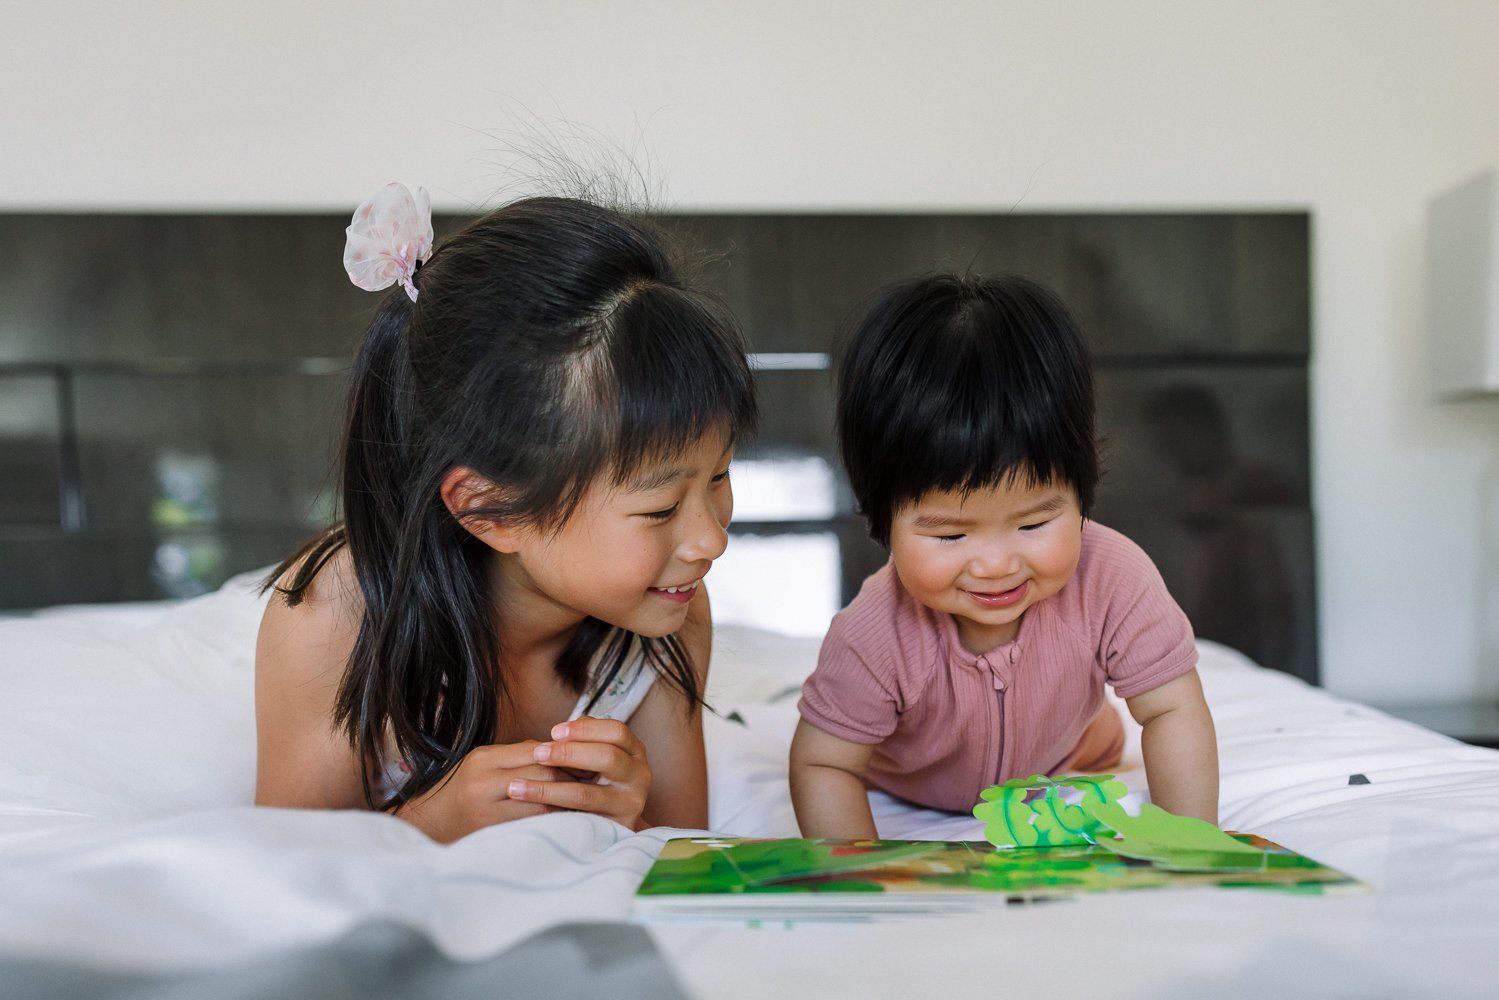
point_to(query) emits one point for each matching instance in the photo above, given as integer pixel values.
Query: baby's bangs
(680, 372)
(968, 455)
(958, 427)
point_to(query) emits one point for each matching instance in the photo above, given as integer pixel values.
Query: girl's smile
(683, 594)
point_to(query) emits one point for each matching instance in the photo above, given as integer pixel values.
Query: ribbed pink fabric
(948, 723)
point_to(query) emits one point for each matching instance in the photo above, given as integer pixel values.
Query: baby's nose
(996, 561)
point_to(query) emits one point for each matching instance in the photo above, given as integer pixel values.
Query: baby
(980, 651)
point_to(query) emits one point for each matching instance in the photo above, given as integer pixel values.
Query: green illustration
(798, 879)
(760, 865)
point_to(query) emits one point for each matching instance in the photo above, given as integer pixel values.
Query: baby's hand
(475, 794)
(602, 748)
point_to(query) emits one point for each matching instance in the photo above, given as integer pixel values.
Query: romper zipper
(999, 751)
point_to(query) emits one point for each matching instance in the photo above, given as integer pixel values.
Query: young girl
(980, 651)
(511, 617)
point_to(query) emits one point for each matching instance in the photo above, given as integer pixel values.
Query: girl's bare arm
(300, 654)
(673, 734)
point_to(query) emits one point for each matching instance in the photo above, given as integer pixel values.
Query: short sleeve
(1146, 639)
(851, 695)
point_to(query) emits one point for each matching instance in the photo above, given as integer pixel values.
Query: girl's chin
(662, 623)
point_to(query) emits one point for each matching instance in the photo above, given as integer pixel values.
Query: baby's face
(987, 556)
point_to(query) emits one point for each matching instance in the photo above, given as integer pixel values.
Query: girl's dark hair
(959, 383)
(552, 342)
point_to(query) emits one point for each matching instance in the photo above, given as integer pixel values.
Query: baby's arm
(827, 787)
(1180, 747)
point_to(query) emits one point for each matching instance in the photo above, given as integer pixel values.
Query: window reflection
(1237, 587)
(786, 583)
(780, 571)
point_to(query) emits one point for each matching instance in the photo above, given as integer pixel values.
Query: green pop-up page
(1032, 812)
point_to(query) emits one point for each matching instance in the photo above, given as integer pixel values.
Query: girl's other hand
(476, 793)
(603, 748)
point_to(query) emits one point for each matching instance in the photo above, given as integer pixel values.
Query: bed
(132, 864)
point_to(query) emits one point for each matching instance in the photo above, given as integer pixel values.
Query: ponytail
(427, 690)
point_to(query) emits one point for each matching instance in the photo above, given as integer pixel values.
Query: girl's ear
(464, 491)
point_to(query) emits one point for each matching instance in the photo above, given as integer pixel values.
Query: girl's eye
(662, 515)
(722, 477)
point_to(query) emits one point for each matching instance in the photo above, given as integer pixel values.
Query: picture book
(846, 880)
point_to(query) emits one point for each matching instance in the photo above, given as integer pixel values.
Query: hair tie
(390, 235)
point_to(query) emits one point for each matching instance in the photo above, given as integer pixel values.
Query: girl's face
(987, 556)
(632, 555)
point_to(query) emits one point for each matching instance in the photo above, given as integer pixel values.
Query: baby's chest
(967, 695)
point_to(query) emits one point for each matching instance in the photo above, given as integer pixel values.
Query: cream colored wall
(1356, 111)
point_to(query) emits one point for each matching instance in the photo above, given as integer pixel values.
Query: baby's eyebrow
(1056, 502)
(936, 521)
(939, 520)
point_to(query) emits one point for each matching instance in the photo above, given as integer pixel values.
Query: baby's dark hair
(956, 382)
(552, 342)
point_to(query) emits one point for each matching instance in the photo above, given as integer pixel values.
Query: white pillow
(130, 711)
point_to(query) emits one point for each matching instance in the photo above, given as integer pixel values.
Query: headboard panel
(1200, 328)
(170, 386)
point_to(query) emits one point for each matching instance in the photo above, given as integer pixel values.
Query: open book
(847, 880)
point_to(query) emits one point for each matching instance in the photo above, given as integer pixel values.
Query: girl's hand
(615, 778)
(476, 793)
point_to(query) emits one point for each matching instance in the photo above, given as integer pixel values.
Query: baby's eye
(949, 538)
(662, 515)
(1033, 527)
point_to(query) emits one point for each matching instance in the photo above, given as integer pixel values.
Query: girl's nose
(704, 536)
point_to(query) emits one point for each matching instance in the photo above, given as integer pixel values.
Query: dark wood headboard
(170, 388)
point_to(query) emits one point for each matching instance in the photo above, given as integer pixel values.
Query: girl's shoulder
(301, 654)
(321, 626)
(334, 585)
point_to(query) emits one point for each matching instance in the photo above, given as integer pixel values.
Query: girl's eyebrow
(657, 478)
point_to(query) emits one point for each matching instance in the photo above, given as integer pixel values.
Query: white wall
(1357, 111)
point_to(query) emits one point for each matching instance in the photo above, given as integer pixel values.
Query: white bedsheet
(127, 760)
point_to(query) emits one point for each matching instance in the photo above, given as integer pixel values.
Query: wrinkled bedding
(127, 842)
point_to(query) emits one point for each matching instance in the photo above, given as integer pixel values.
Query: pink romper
(947, 723)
